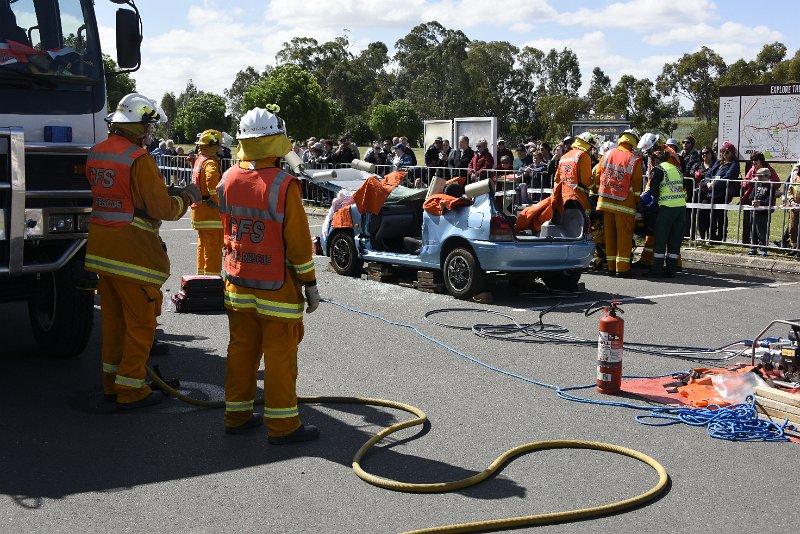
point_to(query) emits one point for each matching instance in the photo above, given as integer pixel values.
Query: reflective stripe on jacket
(108, 169)
(251, 206)
(670, 192)
(196, 170)
(133, 251)
(616, 171)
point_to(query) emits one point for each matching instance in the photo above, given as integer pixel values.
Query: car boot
(254, 422)
(154, 398)
(304, 433)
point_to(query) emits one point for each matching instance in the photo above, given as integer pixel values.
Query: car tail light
(500, 229)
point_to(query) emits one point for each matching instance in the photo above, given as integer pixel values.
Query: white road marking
(683, 294)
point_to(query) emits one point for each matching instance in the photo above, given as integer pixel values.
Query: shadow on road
(60, 440)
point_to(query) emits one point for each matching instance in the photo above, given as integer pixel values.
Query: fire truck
(52, 106)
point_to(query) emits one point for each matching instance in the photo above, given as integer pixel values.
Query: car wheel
(562, 281)
(344, 256)
(462, 274)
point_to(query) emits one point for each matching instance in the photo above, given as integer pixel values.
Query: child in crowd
(763, 197)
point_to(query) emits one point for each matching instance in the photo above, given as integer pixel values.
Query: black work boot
(154, 398)
(254, 422)
(304, 433)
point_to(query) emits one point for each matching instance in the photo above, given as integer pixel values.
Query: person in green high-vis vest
(666, 190)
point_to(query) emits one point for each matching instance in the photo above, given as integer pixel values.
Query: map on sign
(771, 125)
(761, 118)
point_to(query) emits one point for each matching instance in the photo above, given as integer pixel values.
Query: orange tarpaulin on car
(395, 178)
(342, 218)
(533, 217)
(372, 194)
(441, 203)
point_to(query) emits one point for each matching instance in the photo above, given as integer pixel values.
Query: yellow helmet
(586, 141)
(209, 137)
(630, 137)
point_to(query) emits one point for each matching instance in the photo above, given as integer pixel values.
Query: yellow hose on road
(440, 487)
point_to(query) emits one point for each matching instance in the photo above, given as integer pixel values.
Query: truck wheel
(462, 274)
(61, 315)
(562, 281)
(344, 256)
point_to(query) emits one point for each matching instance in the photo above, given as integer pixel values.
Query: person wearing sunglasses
(689, 155)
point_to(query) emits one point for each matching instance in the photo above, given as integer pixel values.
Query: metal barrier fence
(721, 218)
(713, 219)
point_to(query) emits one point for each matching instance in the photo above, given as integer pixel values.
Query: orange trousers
(129, 312)
(251, 336)
(619, 240)
(209, 251)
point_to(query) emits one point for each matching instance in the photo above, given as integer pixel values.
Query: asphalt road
(67, 467)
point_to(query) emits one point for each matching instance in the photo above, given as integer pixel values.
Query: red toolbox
(200, 292)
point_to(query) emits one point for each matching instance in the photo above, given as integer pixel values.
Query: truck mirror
(129, 39)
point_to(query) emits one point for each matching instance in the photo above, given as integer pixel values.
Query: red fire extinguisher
(609, 346)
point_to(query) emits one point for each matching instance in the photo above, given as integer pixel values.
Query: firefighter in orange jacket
(205, 214)
(575, 167)
(268, 267)
(129, 201)
(619, 189)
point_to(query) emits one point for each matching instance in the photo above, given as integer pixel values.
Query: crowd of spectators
(711, 176)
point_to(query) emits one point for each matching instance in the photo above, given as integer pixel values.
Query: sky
(210, 41)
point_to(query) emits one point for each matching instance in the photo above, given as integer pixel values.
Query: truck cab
(52, 106)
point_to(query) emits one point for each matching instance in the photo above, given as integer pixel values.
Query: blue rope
(738, 422)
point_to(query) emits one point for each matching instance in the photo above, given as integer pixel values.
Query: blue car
(465, 243)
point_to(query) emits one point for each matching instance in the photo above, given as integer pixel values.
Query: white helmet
(647, 142)
(590, 139)
(137, 108)
(259, 122)
(608, 145)
(227, 139)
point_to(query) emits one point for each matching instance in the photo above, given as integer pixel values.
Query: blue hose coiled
(737, 422)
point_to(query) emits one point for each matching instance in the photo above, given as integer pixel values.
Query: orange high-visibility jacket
(278, 200)
(132, 250)
(575, 169)
(616, 172)
(206, 176)
(108, 168)
(251, 206)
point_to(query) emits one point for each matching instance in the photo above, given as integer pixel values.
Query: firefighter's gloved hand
(312, 297)
(193, 193)
(212, 203)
